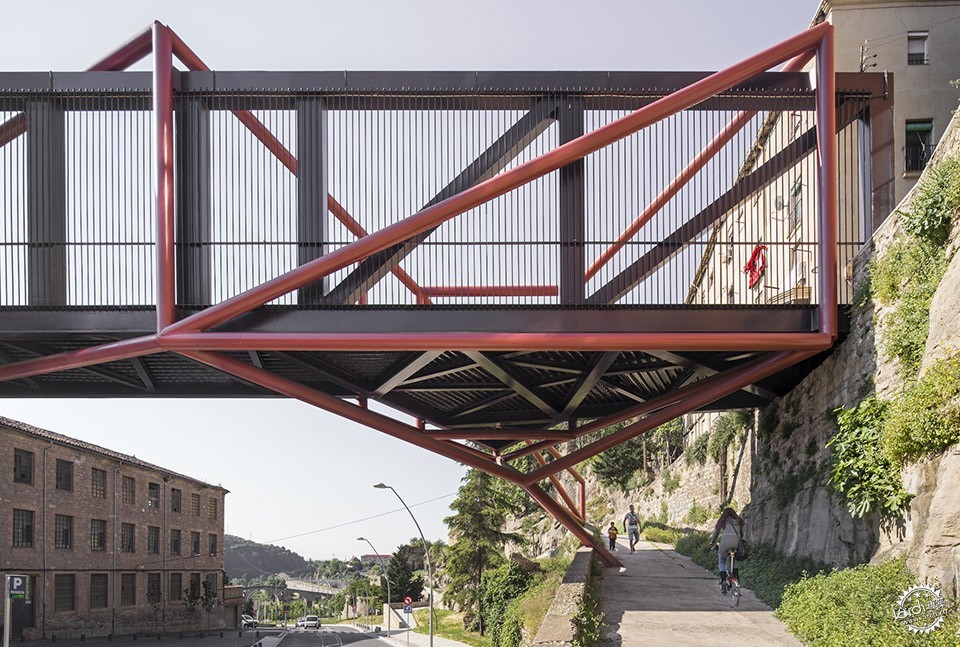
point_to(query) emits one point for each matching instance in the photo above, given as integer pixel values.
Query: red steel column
(827, 147)
(163, 173)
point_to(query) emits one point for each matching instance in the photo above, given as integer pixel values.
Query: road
(335, 636)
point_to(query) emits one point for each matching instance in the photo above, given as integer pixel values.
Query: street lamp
(426, 552)
(386, 576)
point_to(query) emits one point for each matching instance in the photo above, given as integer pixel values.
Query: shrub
(936, 203)
(697, 450)
(864, 474)
(853, 607)
(670, 482)
(502, 586)
(728, 428)
(906, 277)
(925, 419)
(697, 514)
(660, 533)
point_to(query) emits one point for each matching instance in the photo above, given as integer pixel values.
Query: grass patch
(660, 533)
(448, 624)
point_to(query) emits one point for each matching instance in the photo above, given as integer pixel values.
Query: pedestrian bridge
(507, 257)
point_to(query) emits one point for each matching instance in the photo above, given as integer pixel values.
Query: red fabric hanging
(756, 265)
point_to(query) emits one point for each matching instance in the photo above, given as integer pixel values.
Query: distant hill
(247, 559)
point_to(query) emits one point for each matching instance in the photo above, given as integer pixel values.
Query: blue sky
(295, 473)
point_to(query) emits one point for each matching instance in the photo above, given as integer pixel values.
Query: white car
(248, 621)
(311, 622)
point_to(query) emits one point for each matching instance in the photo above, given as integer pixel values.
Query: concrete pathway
(661, 597)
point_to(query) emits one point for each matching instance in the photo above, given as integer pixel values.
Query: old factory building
(110, 544)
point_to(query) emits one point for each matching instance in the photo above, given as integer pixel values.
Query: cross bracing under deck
(513, 259)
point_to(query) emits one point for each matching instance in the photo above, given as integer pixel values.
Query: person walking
(612, 535)
(631, 526)
(726, 536)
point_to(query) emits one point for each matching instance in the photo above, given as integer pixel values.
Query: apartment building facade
(111, 544)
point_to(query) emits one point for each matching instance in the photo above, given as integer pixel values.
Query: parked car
(300, 621)
(311, 622)
(248, 621)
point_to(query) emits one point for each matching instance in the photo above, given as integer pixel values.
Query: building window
(796, 203)
(129, 489)
(212, 544)
(210, 586)
(98, 483)
(153, 540)
(175, 498)
(98, 535)
(176, 587)
(213, 508)
(195, 505)
(153, 495)
(98, 590)
(128, 589)
(917, 48)
(22, 528)
(63, 531)
(918, 144)
(65, 590)
(194, 585)
(194, 543)
(128, 534)
(154, 592)
(174, 542)
(22, 466)
(64, 475)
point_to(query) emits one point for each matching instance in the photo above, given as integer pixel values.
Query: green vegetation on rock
(853, 607)
(696, 451)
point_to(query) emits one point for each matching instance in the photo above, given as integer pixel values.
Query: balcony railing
(915, 157)
(917, 59)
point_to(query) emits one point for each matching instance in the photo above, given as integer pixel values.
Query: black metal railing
(917, 59)
(915, 157)
(77, 216)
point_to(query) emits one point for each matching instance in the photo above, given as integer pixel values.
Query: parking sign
(18, 586)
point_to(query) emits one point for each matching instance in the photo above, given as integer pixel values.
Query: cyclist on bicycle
(726, 535)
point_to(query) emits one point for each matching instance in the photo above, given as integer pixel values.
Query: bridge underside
(447, 389)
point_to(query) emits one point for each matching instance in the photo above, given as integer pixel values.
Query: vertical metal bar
(312, 190)
(827, 171)
(572, 208)
(194, 272)
(163, 173)
(46, 205)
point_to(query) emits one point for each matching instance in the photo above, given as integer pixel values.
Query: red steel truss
(191, 337)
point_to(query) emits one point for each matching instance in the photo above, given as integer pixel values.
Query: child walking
(612, 534)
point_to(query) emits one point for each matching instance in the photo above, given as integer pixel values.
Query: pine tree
(482, 506)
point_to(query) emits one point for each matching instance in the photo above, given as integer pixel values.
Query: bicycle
(733, 582)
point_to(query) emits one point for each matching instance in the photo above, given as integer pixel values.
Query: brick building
(111, 544)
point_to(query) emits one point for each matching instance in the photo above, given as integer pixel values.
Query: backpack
(743, 548)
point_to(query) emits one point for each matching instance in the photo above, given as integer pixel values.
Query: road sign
(407, 600)
(18, 587)
(407, 609)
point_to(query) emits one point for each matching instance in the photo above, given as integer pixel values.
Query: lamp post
(426, 552)
(386, 576)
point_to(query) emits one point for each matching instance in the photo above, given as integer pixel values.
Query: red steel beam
(498, 185)
(561, 490)
(123, 57)
(703, 393)
(275, 146)
(827, 149)
(408, 433)
(163, 149)
(101, 354)
(571, 523)
(498, 434)
(491, 291)
(582, 483)
(512, 341)
(722, 138)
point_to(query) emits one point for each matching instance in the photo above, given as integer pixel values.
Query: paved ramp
(663, 598)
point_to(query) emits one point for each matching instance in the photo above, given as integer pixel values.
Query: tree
(618, 465)
(400, 571)
(482, 506)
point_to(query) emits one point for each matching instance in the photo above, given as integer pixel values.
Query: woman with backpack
(727, 535)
